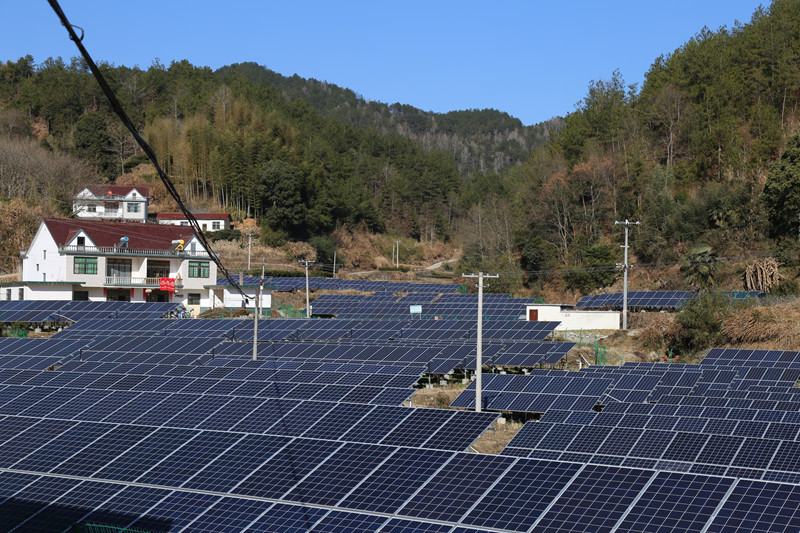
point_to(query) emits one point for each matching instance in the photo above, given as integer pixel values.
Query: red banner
(166, 284)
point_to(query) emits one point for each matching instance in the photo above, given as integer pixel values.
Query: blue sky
(532, 59)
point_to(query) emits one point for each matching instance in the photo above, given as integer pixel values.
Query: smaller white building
(572, 319)
(111, 202)
(207, 221)
(225, 295)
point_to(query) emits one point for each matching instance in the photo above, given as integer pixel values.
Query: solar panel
(449, 494)
(522, 495)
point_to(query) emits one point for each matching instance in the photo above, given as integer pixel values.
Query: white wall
(234, 300)
(42, 261)
(574, 320)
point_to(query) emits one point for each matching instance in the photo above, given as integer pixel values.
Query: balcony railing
(128, 281)
(104, 250)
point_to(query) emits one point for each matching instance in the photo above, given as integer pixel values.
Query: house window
(37, 267)
(91, 208)
(198, 269)
(8, 294)
(193, 298)
(184, 222)
(44, 276)
(21, 294)
(44, 255)
(204, 226)
(215, 225)
(81, 241)
(134, 207)
(80, 296)
(118, 268)
(85, 265)
(157, 269)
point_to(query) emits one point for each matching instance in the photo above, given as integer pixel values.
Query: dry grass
(497, 437)
(438, 397)
(775, 327)
(492, 441)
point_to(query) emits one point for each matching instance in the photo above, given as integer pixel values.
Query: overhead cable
(118, 109)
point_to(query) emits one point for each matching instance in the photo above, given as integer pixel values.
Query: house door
(157, 295)
(533, 315)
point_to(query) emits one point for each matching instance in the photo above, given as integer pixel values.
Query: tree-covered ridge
(241, 144)
(479, 140)
(688, 154)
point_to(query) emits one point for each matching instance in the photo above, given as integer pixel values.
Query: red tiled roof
(115, 190)
(198, 216)
(153, 236)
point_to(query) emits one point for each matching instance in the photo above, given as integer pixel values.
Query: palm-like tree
(698, 267)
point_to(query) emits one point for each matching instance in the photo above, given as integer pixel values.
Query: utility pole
(249, 244)
(334, 263)
(397, 256)
(306, 262)
(625, 267)
(479, 348)
(259, 292)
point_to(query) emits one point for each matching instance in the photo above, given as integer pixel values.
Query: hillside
(482, 141)
(706, 155)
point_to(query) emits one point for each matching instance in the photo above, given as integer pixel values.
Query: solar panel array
(69, 311)
(652, 299)
(444, 306)
(315, 283)
(161, 429)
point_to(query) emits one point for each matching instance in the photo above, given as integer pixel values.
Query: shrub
(224, 235)
(272, 237)
(699, 323)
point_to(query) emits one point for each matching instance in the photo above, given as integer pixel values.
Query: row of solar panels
(315, 283)
(462, 491)
(71, 311)
(301, 329)
(652, 299)
(228, 482)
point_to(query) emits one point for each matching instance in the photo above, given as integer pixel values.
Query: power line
(126, 121)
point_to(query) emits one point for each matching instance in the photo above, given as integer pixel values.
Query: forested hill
(479, 140)
(705, 154)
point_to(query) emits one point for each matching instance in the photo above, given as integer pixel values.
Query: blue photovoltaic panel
(175, 512)
(676, 502)
(339, 521)
(236, 463)
(71, 507)
(394, 481)
(337, 476)
(103, 451)
(147, 453)
(32, 499)
(189, 459)
(522, 494)
(229, 514)
(125, 506)
(595, 500)
(286, 468)
(759, 506)
(449, 494)
(287, 519)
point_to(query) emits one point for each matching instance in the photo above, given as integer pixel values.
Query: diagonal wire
(118, 109)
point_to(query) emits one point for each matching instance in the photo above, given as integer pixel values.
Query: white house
(81, 259)
(572, 319)
(207, 221)
(111, 202)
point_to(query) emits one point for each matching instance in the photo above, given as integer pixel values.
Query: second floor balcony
(125, 251)
(132, 281)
